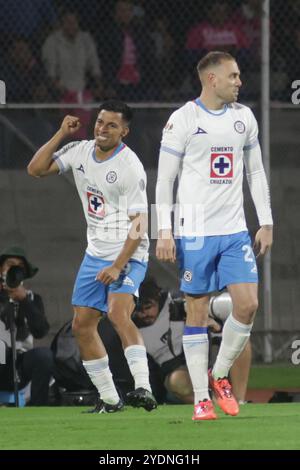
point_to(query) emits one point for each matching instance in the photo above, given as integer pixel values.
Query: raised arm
(42, 163)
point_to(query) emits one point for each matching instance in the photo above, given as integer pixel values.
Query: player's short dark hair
(149, 291)
(213, 58)
(117, 106)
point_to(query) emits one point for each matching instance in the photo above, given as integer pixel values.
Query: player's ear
(125, 131)
(211, 77)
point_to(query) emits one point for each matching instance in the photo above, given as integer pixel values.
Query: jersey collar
(117, 150)
(218, 113)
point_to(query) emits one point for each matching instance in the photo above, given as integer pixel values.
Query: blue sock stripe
(195, 330)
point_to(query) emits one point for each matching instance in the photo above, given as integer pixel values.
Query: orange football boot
(204, 410)
(222, 393)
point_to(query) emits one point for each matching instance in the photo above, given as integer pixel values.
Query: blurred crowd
(79, 52)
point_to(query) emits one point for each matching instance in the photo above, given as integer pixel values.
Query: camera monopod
(14, 277)
(12, 328)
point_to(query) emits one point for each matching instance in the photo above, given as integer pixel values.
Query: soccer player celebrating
(207, 143)
(111, 183)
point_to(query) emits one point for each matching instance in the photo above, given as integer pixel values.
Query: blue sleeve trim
(251, 146)
(171, 151)
(60, 164)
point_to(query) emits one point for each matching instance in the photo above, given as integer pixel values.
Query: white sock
(195, 346)
(234, 338)
(100, 374)
(136, 357)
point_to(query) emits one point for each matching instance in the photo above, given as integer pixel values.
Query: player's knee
(252, 306)
(117, 317)
(80, 326)
(248, 309)
(111, 314)
(120, 310)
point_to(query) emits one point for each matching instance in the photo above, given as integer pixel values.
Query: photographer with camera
(161, 320)
(23, 310)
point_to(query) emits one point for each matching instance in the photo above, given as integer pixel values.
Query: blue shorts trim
(88, 292)
(220, 261)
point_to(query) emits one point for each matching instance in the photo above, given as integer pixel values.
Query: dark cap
(17, 252)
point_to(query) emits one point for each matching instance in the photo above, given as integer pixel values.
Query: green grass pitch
(258, 426)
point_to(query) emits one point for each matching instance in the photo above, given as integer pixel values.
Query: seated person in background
(161, 320)
(132, 74)
(33, 364)
(24, 74)
(70, 58)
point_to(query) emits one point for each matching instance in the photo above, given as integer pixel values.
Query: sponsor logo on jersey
(221, 168)
(239, 127)
(111, 177)
(80, 168)
(67, 147)
(188, 276)
(199, 131)
(96, 207)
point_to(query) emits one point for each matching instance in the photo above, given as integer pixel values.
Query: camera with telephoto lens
(14, 277)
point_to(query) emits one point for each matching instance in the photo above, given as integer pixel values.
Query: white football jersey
(110, 191)
(210, 147)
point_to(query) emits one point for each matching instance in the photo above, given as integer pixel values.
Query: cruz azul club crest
(221, 167)
(96, 206)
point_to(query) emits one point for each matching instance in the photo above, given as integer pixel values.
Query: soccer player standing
(111, 183)
(206, 143)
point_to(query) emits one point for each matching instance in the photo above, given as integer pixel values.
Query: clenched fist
(70, 125)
